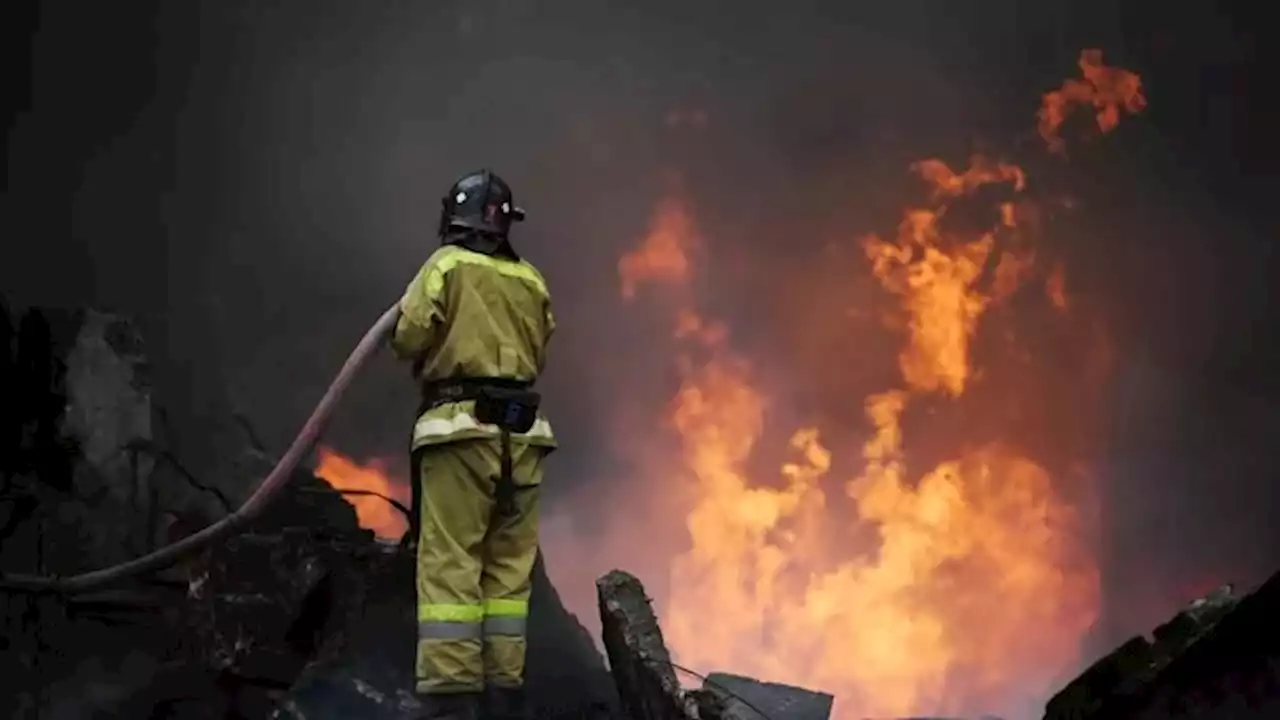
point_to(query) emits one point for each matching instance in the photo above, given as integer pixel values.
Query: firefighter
(475, 323)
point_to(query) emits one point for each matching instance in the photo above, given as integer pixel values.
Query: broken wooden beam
(638, 657)
(646, 676)
(744, 698)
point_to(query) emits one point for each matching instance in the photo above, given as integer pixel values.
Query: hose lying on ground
(261, 498)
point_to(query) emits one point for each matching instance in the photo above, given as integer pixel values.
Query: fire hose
(266, 492)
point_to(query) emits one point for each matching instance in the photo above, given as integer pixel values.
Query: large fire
(965, 588)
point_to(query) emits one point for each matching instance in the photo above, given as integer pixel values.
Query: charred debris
(306, 615)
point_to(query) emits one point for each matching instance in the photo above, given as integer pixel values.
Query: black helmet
(480, 202)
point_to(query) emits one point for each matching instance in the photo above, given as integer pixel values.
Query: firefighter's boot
(451, 706)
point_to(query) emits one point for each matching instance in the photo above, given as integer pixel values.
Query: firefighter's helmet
(480, 202)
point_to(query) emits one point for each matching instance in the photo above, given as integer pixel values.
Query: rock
(108, 392)
(1219, 658)
(108, 414)
(82, 402)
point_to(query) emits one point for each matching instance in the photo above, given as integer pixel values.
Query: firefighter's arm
(549, 325)
(421, 314)
(548, 318)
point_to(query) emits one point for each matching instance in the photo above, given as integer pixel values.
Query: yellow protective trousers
(474, 566)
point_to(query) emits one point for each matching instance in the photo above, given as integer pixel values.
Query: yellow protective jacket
(467, 314)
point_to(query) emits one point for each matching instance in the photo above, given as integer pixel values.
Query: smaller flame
(373, 512)
(665, 255)
(1110, 92)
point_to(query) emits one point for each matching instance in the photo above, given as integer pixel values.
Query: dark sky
(256, 180)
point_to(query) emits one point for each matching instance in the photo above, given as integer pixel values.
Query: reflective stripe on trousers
(496, 618)
(450, 622)
(505, 618)
(494, 631)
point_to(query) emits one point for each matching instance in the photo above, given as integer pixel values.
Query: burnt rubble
(301, 615)
(332, 636)
(1218, 658)
(307, 615)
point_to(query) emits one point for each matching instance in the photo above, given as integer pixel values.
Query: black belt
(504, 402)
(439, 392)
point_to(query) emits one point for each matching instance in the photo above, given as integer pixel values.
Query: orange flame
(665, 255)
(373, 512)
(966, 589)
(937, 277)
(1110, 91)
